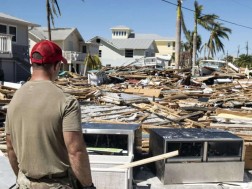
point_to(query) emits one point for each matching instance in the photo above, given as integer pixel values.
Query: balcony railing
(5, 45)
(73, 56)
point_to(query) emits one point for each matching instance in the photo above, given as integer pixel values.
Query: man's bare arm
(78, 156)
(12, 155)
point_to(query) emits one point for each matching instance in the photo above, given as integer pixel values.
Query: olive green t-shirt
(37, 116)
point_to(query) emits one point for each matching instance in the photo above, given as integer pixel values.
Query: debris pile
(162, 98)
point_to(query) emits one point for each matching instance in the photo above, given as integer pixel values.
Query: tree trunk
(48, 19)
(194, 54)
(178, 36)
(194, 44)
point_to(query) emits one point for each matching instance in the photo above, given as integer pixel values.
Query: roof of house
(6, 17)
(152, 36)
(57, 33)
(121, 27)
(130, 43)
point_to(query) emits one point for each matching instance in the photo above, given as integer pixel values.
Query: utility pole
(247, 48)
(238, 51)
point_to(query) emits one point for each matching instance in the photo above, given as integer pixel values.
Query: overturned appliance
(205, 155)
(110, 145)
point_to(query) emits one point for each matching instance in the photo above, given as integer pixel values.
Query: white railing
(5, 44)
(150, 61)
(73, 56)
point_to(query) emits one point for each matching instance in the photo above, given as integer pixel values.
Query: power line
(205, 14)
(241, 4)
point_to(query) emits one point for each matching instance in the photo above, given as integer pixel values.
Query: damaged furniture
(110, 145)
(205, 155)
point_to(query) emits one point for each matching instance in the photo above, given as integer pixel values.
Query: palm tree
(188, 46)
(178, 35)
(51, 11)
(214, 44)
(244, 60)
(91, 62)
(203, 20)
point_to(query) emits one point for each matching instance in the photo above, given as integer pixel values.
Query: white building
(127, 47)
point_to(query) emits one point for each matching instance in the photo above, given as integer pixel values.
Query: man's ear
(55, 67)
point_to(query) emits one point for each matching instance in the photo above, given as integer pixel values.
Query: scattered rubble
(159, 98)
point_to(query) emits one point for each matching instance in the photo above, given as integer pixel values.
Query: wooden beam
(147, 160)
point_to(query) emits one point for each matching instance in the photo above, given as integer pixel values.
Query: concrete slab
(8, 178)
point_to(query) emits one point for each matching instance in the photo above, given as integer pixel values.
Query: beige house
(70, 40)
(165, 47)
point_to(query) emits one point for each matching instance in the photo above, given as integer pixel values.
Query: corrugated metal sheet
(132, 43)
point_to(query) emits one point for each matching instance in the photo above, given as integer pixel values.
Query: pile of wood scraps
(3, 146)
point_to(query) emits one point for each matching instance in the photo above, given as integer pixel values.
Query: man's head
(46, 58)
(50, 53)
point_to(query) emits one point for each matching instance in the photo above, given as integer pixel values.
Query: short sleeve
(72, 115)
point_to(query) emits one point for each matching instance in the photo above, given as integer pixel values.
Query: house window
(128, 53)
(169, 44)
(84, 49)
(100, 53)
(3, 29)
(13, 31)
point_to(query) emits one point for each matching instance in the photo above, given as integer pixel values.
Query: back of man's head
(46, 52)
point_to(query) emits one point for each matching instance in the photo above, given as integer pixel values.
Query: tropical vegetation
(92, 62)
(244, 61)
(216, 30)
(52, 8)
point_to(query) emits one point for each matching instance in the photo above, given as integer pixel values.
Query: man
(43, 129)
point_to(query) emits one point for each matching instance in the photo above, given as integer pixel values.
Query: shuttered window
(13, 31)
(3, 29)
(128, 53)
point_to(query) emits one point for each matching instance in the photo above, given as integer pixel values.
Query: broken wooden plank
(189, 115)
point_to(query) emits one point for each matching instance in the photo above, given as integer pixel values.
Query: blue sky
(96, 17)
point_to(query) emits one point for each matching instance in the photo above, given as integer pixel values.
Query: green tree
(51, 10)
(92, 62)
(229, 58)
(188, 46)
(217, 32)
(244, 61)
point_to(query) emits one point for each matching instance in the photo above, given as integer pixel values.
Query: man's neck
(40, 75)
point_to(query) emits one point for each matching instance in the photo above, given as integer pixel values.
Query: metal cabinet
(110, 145)
(205, 155)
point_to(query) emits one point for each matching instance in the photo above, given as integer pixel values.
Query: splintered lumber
(145, 92)
(228, 125)
(175, 114)
(189, 115)
(231, 114)
(117, 113)
(177, 96)
(147, 160)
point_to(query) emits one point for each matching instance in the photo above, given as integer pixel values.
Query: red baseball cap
(50, 52)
